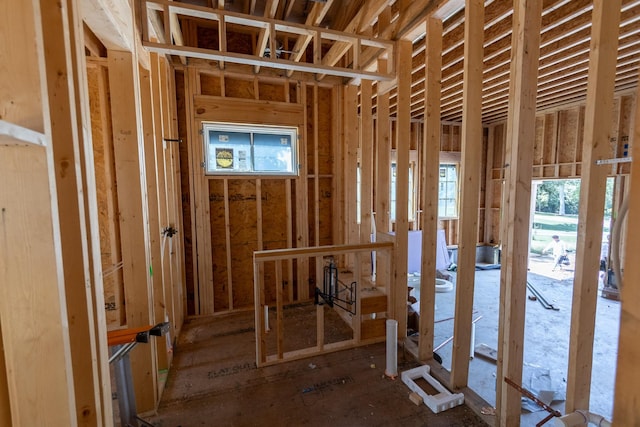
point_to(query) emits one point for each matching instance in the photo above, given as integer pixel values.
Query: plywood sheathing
(279, 217)
(109, 225)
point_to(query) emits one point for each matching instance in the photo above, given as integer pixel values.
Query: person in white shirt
(558, 249)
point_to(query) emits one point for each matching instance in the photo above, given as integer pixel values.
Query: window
(250, 150)
(448, 191)
(392, 201)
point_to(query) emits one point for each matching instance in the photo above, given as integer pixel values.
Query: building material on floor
(538, 295)
(486, 352)
(527, 393)
(437, 403)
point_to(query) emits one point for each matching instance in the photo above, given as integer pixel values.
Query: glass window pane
(229, 151)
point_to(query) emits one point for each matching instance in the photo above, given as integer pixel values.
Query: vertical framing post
(515, 235)
(469, 188)
(600, 86)
(403, 130)
(383, 166)
(366, 167)
(625, 410)
(429, 186)
(33, 315)
(134, 214)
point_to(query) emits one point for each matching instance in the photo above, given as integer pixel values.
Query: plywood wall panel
(109, 226)
(269, 91)
(326, 212)
(567, 135)
(325, 131)
(311, 209)
(445, 143)
(218, 245)
(580, 134)
(244, 238)
(239, 88)
(210, 84)
(274, 214)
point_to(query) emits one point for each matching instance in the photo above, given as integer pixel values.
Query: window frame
(456, 191)
(241, 131)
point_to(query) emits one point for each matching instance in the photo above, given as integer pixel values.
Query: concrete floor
(214, 382)
(547, 335)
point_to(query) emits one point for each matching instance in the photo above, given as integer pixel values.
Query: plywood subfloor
(214, 381)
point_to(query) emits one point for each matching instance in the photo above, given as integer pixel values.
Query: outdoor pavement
(547, 335)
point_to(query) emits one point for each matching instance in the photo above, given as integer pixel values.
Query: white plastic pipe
(392, 348)
(473, 340)
(266, 318)
(581, 417)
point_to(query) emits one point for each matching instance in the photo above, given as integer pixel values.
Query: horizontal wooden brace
(275, 254)
(240, 58)
(19, 135)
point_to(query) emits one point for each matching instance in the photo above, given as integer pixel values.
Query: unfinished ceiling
(564, 49)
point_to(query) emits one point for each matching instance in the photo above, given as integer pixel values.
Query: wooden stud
(73, 157)
(194, 184)
(320, 308)
(350, 165)
(521, 129)
(356, 320)
(152, 189)
(383, 167)
(166, 206)
(472, 135)
(403, 135)
(430, 180)
(366, 166)
(625, 409)
(279, 311)
(132, 203)
(337, 188)
(35, 333)
(289, 225)
(302, 201)
(227, 238)
(316, 170)
(602, 64)
(488, 192)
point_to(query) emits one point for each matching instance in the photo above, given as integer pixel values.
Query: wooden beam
(602, 65)
(362, 20)
(430, 178)
(132, 203)
(314, 18)
(469, 187)
(270, 9)
(625, 409)
(403, 138)
(111, 21)
(521, 131)
(283, 64)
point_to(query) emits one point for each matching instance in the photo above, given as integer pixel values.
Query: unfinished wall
(558, 151)
(230, 217)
